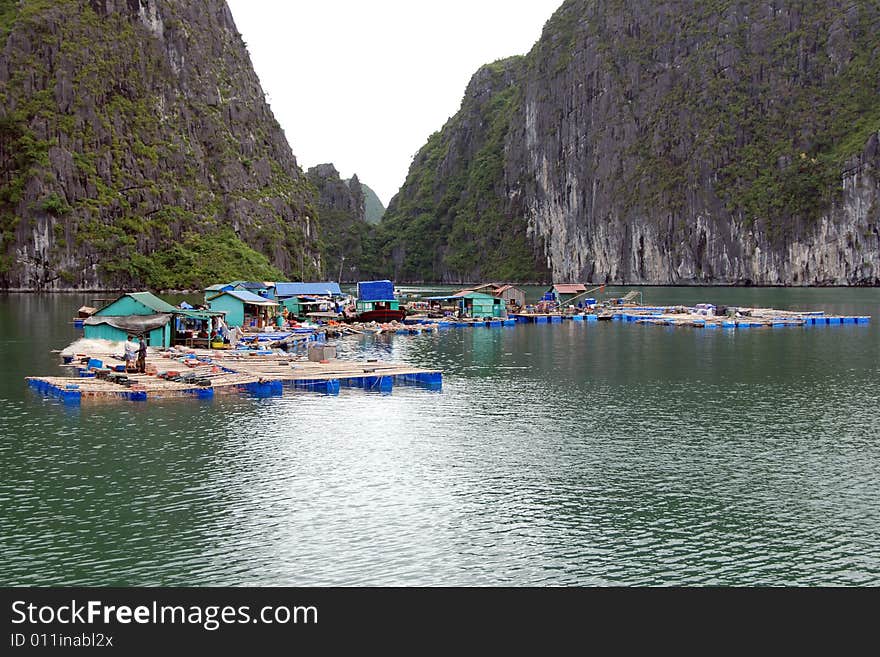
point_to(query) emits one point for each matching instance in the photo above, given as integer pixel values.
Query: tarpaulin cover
(376, 291)
(131, 323)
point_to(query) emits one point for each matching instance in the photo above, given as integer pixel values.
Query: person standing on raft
(142, 356)
(129, 355)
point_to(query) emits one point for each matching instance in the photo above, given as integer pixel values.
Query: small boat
(83, 314)
(382, 315)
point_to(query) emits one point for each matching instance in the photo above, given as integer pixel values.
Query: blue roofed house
(301, 298)
(288, 290)
(373, 295)
(244, 308)
(264, 289)
(214, 290)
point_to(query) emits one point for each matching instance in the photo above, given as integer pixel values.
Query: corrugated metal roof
(470, 294)
(151, 301)
(319, 289)
(569, 288)
(199, 314)
(247, 297)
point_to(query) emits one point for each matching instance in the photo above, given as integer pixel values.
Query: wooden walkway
(205, 374)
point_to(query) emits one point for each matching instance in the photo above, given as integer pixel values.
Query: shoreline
(404, 284)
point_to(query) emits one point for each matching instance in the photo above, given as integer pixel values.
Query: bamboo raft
(202, 374)
(751, 318)
(264, 372)
(682, 316)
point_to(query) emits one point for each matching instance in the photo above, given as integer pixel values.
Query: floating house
(480, 304)
(302, 298)
(376, 302)
(474, 304)
(244, 308)
(134, 313)
(214, 290)
(145, 314)
(562, 293)
(263, 289)
(288, 290)
(511, 295)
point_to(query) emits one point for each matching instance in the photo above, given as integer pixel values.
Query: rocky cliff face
(342, 207)
(137, 149)
(374, 208)
(452, 220)
(670, 142)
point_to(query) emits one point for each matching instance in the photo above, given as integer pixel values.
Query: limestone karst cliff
(137, 149)
(659, 142)
(341, 205)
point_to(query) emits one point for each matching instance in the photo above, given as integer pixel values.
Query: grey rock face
(594, 120)
(672, 143)
(342, 207)
(139, 126)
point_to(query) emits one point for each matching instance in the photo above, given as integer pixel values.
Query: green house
(367, 306)
(135, 314)
(480, 304)
(301, 306)
(474, 304)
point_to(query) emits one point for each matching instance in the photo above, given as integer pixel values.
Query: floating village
(259, 338)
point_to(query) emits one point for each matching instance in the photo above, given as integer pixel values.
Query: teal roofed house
(143, 313)
(475, 304)
(136, 314)
(480, 304)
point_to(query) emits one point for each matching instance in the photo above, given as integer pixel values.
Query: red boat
(382, 315)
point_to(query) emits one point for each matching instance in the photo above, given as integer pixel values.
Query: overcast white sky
(364, 83)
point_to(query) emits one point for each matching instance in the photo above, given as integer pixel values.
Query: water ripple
(571, 454)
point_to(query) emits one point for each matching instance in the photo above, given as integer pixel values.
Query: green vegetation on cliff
(456, 227)
(777, 119)
(341, 206)
(140, 152)
(659, 141)
(8, 14)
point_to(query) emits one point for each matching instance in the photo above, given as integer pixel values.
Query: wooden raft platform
(665, 316)
(257, 376)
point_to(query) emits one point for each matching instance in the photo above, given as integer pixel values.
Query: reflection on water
(560, 454)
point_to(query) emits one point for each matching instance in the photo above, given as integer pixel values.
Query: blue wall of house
(160, 337)
(234, 309)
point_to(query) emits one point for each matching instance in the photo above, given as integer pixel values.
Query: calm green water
(562, 454)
